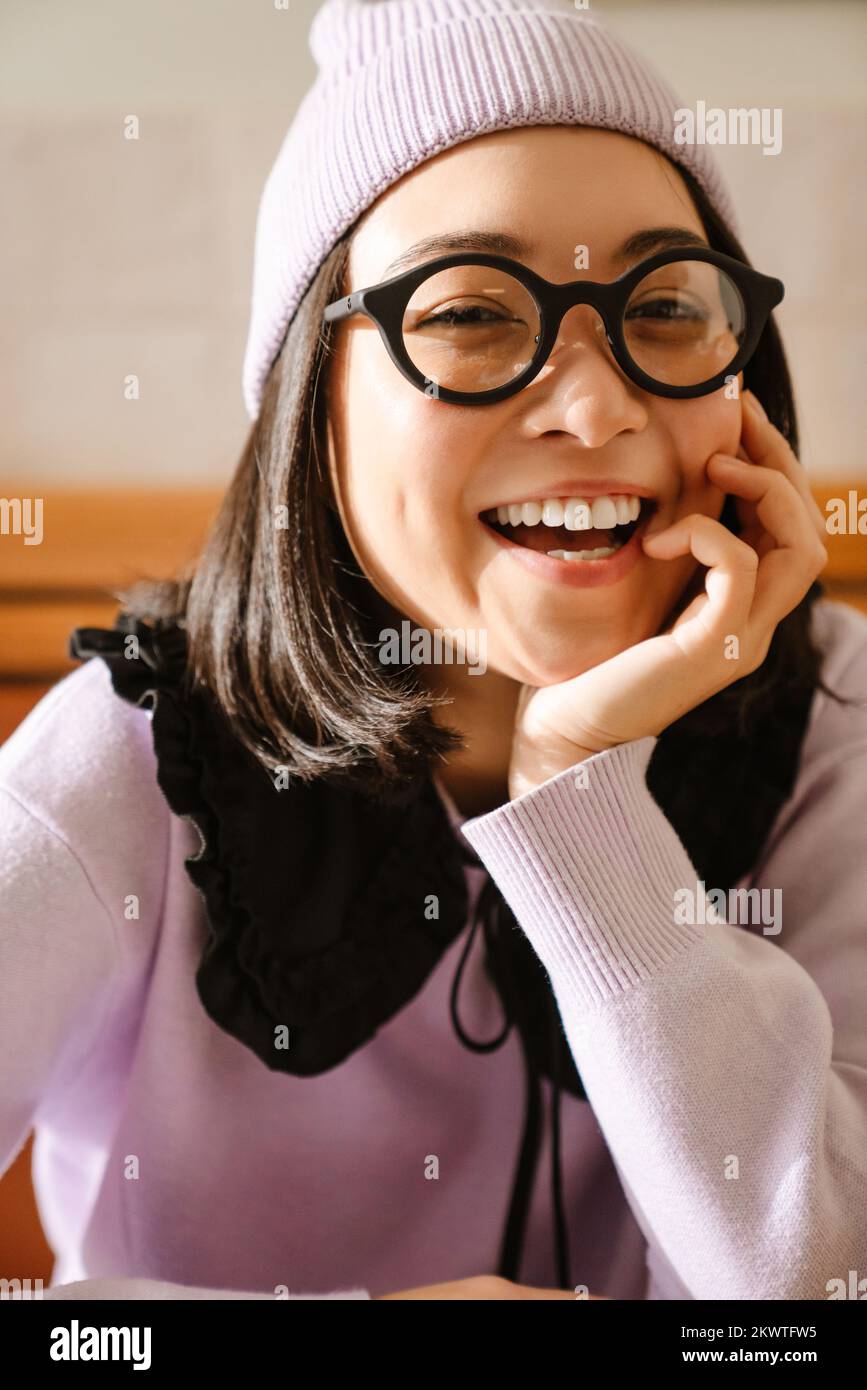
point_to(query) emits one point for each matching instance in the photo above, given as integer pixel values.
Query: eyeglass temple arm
(343, 308)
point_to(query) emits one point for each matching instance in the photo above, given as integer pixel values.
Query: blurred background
(134, 257)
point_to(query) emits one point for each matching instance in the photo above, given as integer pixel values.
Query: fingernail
(756, 405)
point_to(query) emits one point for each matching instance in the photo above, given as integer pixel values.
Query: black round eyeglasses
(474, 328)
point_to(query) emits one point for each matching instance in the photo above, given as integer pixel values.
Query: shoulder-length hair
(278, 616)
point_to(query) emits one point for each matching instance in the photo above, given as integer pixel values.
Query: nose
(581, 390)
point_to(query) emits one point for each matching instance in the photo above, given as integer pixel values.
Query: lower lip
(579, 574)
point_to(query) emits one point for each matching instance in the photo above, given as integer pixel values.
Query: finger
(778, 506)
(786, 572)
(528, 1293)
(768, 448)
(751, 529)
(732, 566)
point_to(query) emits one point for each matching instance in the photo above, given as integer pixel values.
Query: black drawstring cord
(472, 1043)
(561, 1237)
(512, 1246)
(514, 1232)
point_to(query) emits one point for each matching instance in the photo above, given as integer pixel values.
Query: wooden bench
(93, 543)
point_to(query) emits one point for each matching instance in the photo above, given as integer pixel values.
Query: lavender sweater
(724, 1151)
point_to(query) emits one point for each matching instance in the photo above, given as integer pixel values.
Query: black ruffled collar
(309, 896)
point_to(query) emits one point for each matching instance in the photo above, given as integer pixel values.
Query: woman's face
(415, 476)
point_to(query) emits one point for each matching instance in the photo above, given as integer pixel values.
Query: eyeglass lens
(474, 327)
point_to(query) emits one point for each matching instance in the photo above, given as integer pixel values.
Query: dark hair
(280, 621)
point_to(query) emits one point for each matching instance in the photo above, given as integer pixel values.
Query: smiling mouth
(575, 529)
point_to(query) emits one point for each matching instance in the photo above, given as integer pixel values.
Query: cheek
(404, 462)
(406, 445)
(698, 429)
(376, 470)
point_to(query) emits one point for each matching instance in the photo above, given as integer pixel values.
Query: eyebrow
(642, 243)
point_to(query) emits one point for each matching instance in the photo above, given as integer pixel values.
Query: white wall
(135, 256)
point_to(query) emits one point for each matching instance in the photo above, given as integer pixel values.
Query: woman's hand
(724, 633)
(769, 449)
(484, 1286)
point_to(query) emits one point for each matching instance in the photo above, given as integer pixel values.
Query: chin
(563, 656)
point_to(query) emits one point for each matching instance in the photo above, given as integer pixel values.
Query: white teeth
(575, 513)
(578, 516)
(604, 513)
(601, 553)
(552, 512)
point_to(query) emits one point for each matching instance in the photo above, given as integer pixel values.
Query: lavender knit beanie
(401, 80)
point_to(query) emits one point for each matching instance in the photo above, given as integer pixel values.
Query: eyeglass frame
(384, 304)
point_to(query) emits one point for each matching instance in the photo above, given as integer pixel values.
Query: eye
(456, 315)
(666, 308)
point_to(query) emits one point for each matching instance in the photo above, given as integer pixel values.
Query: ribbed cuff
(591, 873)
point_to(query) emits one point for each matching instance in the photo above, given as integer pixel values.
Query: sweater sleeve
(63, 968)
(727, 1068)
(159, 1289)
(59, 959)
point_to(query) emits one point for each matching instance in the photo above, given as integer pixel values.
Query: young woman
(508, 622)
